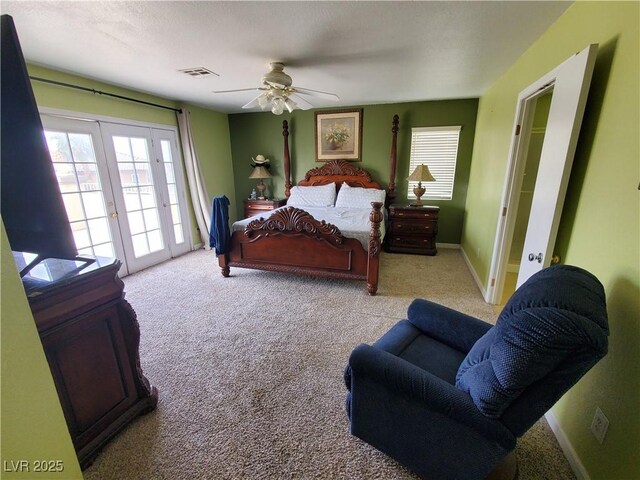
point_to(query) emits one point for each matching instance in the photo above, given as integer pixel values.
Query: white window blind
(437, 148)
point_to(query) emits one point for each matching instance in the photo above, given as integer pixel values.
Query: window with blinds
(437, 148)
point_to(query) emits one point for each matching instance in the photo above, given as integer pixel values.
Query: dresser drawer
(251, 211)
(413, 228)
(417, 214)
(262, 207)
(411, 242)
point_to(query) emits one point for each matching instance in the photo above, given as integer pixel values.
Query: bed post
(287, 160)
(223, 263)
(393, 160)
(373, 266)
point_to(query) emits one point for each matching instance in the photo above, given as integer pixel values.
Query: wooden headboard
(340, 171)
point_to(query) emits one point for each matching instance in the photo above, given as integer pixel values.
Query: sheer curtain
(199, 196)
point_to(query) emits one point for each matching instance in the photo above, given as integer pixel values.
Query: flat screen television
(33, 212)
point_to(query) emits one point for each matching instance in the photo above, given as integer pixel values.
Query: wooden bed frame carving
(339, 171)
(292, 221)
(293, 241)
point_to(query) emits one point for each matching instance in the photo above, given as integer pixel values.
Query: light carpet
(249, 371)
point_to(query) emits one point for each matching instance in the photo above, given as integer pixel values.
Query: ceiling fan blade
(237, 90)
(301, 102)
(318, 93)
(254, 102)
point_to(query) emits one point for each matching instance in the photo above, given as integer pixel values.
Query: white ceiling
(365, 52)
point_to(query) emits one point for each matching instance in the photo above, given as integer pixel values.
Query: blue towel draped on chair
(219, 234)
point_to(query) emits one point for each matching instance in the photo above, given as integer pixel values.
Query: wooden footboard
(292, 241)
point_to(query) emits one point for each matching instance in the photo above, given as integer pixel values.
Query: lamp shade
(421, 174)
(260, 172)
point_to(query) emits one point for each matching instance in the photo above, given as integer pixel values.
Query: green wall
(600, 225)
(210, 128)
(32, 423)
(261, 133)
(70, 99)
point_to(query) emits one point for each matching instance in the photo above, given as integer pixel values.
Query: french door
(123, 189)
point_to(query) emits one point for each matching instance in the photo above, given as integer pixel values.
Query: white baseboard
(198, 246)
(474, 275)
(448, 245)
(568, 450)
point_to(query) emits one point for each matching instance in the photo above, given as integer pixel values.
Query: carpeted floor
(249, 370)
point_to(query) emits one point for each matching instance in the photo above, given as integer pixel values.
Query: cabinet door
(92, 373)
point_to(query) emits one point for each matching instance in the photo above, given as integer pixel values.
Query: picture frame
(339, 135)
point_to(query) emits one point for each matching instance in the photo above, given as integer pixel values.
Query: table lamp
(260, 172)
(420, 174)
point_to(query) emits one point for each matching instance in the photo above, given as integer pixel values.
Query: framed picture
(339, 135)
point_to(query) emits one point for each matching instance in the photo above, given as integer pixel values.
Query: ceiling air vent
(199, 72)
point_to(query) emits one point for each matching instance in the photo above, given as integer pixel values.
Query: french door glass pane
(173, 191)
(136, 178)
(104, 250)
(74, 162)
(82, 148)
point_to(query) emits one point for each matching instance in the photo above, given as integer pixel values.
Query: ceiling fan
(277, 92)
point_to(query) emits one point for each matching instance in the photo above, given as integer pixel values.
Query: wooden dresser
(412, 229)
(256, 207)
(90, 336)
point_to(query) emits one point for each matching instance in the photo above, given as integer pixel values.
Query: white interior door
(570, 89)
(570, 83)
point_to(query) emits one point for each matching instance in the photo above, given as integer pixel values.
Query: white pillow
(316, 196)
(358, 197)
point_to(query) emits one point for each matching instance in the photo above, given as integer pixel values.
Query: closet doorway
(567, 86)
(123, 189)
(533, 151)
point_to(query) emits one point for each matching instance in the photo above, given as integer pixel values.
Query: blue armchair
(447, 395)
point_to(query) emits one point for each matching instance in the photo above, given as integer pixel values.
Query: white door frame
(562, 128)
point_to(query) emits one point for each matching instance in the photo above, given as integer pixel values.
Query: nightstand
(256, 207)
(412, 229)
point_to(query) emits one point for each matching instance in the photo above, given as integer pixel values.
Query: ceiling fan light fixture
(277, 90)
(277, 105)
(290, 104)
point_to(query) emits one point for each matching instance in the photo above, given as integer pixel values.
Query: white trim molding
(474, 275)
(569, 452)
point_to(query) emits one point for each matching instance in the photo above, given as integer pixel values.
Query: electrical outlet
(599, 425)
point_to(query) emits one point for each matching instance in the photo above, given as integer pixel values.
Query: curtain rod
(91, 90)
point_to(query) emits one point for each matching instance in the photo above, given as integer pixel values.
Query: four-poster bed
(293, 241)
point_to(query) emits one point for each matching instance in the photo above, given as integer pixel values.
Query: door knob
(533, 257)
